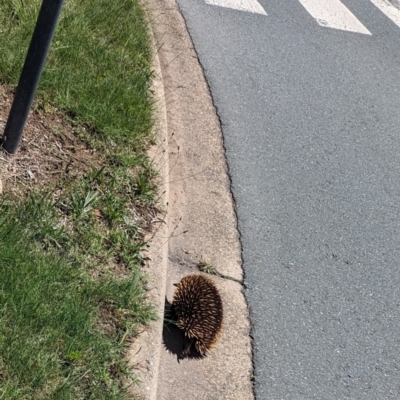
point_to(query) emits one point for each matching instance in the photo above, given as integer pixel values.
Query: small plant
(144, 187)
(204, 266)
(74, 355)
(114, 209)
(82, 205)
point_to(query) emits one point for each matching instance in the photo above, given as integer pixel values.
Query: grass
(52, 342)
(98, 68)
(72, 289)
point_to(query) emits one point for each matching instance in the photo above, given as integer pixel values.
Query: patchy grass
(52, 338)
(79, 197)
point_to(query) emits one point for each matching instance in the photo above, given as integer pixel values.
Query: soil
(51, 148)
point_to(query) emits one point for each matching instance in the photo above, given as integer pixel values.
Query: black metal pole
(31, 72)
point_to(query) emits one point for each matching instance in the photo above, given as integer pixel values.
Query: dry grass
(50, 150)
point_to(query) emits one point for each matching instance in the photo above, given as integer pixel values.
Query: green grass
(71, 287)
(98, 68)
(53, 343)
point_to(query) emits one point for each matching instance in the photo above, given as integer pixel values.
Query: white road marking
(334, 14)
(252, 6)
(389, 10)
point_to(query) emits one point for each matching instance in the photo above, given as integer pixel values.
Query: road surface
(308, 94)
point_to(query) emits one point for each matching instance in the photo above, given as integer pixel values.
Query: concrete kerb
(395, 3)
(144, 354)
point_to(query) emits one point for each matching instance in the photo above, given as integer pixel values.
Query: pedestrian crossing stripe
(334, 14)
(328, 13)
(252, 6)
(389, 10)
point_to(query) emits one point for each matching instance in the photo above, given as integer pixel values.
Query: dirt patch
(51, 148)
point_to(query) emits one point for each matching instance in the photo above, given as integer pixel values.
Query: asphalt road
(311, 123)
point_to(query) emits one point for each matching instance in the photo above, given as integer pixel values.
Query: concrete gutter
(201, 226)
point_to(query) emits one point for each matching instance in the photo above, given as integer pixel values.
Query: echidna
(197, 309)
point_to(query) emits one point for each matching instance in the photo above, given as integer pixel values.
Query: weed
(83, 205)
(204, 266)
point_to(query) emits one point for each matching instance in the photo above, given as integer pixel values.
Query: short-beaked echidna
(197, 310)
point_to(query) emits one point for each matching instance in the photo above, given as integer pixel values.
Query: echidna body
(197, 308)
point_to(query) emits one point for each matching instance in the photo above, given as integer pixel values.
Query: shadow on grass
(173, 336)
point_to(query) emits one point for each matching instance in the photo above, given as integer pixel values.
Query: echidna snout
(197, 309)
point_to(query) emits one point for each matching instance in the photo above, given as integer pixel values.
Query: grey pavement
(311, 126)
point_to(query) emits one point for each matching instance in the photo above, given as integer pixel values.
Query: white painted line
(334, 14)
(389, 10)
(252, 6)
